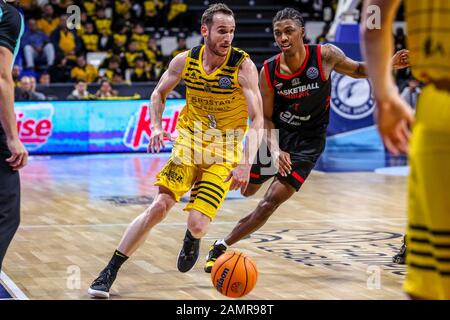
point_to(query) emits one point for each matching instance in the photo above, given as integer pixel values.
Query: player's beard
(213, 47)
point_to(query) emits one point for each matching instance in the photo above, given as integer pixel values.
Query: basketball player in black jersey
(13, 155)
(296, 87)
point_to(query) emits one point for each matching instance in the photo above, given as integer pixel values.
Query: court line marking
(170, 224)
(12, 287)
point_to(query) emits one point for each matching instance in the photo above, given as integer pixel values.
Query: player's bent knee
(269, 205)
(197, 228)
(156, 212)
(250, 190)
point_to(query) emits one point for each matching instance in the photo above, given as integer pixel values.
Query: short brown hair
(209, 13)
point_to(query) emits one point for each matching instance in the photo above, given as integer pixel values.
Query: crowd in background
(128, 31)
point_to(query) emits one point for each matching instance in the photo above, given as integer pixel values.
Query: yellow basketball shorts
(428, 235)
(208, 190)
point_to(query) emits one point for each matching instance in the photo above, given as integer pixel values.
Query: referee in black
(13, 155)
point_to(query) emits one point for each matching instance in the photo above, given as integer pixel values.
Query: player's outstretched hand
(157, 140)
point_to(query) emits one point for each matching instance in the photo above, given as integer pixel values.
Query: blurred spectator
(321, 38)
(59, 72)
(102, 23)
(177, 15)
(90, 38)
(140, 37)
(84, 20)
(155, 58)
(113, 67)
(80, 92)
(16, 74)
(106, 42)
(48, 23)
(25, 93)
(121, 38)
(153, 13)
(181, 45)
(153, 52)
(44, 79)
(40, 95)
(66, 40)
(400, 39)
(59, 6)
(132, 53)
(84, 70)
(142, 72)
(105, 90)
(36, 46)
(90, 6)
(411, 92)
(118, 77)
(122, 7)
(30, 8)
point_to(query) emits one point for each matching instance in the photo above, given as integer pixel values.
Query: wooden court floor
(333, 240)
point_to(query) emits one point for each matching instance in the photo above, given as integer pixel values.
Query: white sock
(222, 242)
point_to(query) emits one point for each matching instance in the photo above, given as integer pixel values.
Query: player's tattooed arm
(335, 59)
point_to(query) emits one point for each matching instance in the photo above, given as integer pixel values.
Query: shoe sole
(98, 294)
(190, 267)
(207, 269)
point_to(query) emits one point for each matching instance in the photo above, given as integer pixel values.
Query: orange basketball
(234, 274)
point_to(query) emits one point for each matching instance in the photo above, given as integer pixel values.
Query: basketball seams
(218, 268)
(246, 276)
(231, 275)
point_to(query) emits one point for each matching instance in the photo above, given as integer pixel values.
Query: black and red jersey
(302, 99)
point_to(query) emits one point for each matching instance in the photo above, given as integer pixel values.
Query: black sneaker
(215, 251)
(100, 286)
(188, 255)
(400, 257)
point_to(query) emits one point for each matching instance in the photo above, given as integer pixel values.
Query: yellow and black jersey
(90, 7)
(121, 7)
(103, 25)
(154, 57)
(48, 26)
(141, 39)
(176, 9)
(215, 102)
(120, 39)
(151, 8)
(90, 42)
(130, 57)
(429, 38)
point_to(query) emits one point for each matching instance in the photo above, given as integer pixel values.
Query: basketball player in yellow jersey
(221, 94)
(428, 235)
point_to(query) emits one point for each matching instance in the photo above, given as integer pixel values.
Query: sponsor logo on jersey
(293, 119)
(278, 85)
(225, 83)
(298, 92)
(312, 73)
